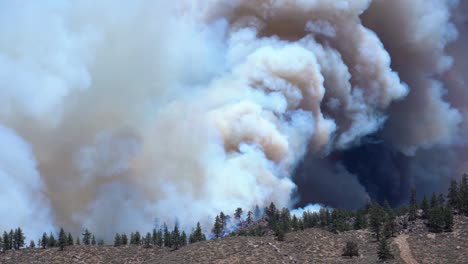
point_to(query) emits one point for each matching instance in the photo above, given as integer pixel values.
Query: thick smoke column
(120, 116)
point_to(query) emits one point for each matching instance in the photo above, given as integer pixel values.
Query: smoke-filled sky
(117, 116)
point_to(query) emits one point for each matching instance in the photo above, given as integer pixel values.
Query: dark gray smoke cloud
(122, 114)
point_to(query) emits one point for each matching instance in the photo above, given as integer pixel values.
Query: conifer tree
(183, 239)
(463, 193)
(217, 228)
(413, 206)
(11, 239)
(425, 207)
(448, 218)
(123, 239)
(44, 240)
(77, 241)
(279, 232)
(285, 218)
(117, 240)
(137, 238)
(86, 237)
(383, 251)
(62, 239)
(100, 242)
(197, 234)
(167, 237)
(360, 222)
(441, 200)
(69, 240)
(32, 244)
(93, 240)
(249, 217)
(238, 214)
(176, 237)
(160, 241)
(376, 217)
(295, 223)
(52, 241)
(436, 219)
(18, 239)
(147, 240)
(6, 241)
(154, 237)
(453, 197)
(434, 201)
(223, 219)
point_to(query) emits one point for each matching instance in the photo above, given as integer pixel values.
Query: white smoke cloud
(150, 110)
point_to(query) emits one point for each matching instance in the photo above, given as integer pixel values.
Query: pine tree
(383, 251)
(176, 236)
(160, 241)
(62, 239)
(137, 238)
(463, 193)
(167, 237)
(100, 242)
(117, 240)
(413, 206)
(295, 223)
(223, 219)
(78, 241)
(69, 240)
(448, 218)
(238, 214)
(147, 240)
(351, 249)
(249, 217)
(217, 228)
(376, 217)
(6, 241)
(123, 239)
(279, 232)
(453, 197)
(425, 207)
(197, 235)
(360, 222)
(86, 237)
(183, 239)
(44, 240)
(93, 240)
(441, 200)
(436, 219)
(18, 238)
(32, 244)
(285, 218)
(52, 241)
(154, 237)
(11, 239)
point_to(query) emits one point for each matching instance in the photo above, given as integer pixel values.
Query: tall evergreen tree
(167, 237)
(238, 214)
(441, 200)
(360, 221)
(62, 239)
(448, 218)
(117, 240)
(436, 219)
(160, 241)
(123, 239)
(18, 239)
(295, 223)
(69, 240)
(463, 193)
(279, 232)
(78, 241)
(425, 207)
(52, 241)
(413, 206)
(86, 237)
(434, 201)
(176, 237)
(453, 196)
(6, 241)
(249, 217)
(197, 235)
(376, 217)
(154, 237)
(44, 240)
(147, 240)
(217, 227)
(93, 240)
(351, 249)
(32, 244)
(383, 251)
(183, 239)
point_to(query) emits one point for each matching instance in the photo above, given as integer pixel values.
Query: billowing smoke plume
(119, 117)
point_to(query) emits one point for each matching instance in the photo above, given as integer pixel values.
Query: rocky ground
(412, 246)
